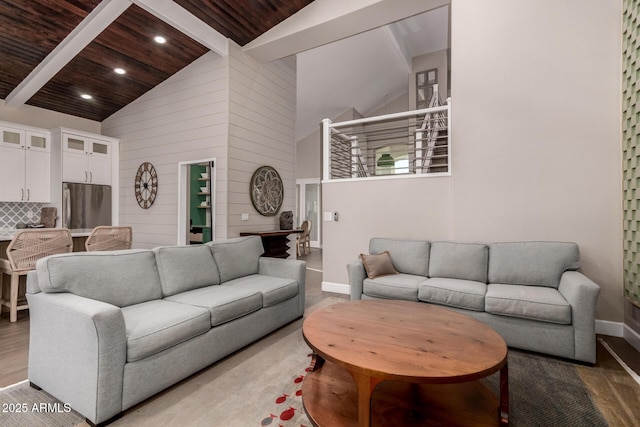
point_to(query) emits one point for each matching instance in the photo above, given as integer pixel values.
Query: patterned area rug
(543, 391)
(261, 386)
(546, 391)
(286, 408)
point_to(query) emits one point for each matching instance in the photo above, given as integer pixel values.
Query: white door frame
(183, 199)
(301, 206)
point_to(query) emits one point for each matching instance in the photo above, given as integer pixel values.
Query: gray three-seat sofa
(529, 292)
(110, 329)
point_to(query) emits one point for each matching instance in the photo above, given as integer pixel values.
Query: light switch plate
(245, 216)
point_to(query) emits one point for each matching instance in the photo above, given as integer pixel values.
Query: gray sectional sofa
(529, 292)
(110, 329)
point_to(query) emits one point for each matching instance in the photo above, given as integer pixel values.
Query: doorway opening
(196, 202)
(308, 194)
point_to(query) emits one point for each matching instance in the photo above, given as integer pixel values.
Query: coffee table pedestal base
(330, 398)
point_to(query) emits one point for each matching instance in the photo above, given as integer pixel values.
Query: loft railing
(414, 142)
(427, 135)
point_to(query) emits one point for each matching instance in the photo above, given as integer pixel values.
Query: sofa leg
(104, 423)
(35, 386)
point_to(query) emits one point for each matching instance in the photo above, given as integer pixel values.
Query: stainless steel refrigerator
(85, 205)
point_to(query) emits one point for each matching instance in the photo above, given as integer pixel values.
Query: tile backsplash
(13, 213)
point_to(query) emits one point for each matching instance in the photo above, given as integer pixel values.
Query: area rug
(261, 386)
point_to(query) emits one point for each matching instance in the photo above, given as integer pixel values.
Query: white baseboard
(607, 327)
(632, 337)
(338, 288)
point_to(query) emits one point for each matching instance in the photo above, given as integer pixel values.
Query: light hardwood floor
(14, 348)
(609, 384)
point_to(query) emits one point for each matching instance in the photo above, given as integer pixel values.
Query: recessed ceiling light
(160, 39)
(86, 96)
(119, 71)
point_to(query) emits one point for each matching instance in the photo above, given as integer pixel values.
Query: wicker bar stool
(27, 247)
(109, 238)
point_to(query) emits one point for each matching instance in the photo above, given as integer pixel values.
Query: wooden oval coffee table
(402, 363)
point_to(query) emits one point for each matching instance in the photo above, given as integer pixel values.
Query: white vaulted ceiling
(366, 70)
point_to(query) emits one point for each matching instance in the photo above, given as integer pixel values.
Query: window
(392, 160)
(424, 87)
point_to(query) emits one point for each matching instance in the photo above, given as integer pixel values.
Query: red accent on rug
(288, 404)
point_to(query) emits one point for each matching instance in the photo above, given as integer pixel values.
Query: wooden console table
(275, 242)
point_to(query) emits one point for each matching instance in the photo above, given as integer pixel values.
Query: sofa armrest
(77, 352)
(288, 269)
(357, 274)
(32, 282)
(582, 294)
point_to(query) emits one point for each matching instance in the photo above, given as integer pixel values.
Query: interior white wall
(396, 105)
(325, 21)
(262, 114)
(185, 118)
(412, 208)
(46, 119)
(536, 144)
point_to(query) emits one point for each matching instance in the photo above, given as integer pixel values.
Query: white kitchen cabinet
(86, 160)
(25, 164)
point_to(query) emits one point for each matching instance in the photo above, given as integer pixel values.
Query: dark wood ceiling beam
(243, 20)
(179, 18)
(131, 35)
(250, 19)
(30, 30)
(216, 17)
(58, 97)
(99, 18)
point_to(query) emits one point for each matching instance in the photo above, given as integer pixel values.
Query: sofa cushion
(120, 278)
(399, 286)
(154, 326)
(466, 294)
(183, 268)
(237, 257)
(274, 289)
(467, 261)
(378, 265)
(223, 302)
(528, 302)
(532, 263)
(408, 256)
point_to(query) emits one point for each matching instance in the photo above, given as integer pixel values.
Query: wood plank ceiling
(31, 29)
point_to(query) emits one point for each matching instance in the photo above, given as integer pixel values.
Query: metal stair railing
(419, 138)
(359, 168)
(431, 126)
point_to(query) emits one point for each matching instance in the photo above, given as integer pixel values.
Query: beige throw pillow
(378, 265)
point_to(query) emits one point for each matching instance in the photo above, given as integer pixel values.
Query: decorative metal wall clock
(146, 185)
(267, 191)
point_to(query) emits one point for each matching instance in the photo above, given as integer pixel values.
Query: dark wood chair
(303, 243)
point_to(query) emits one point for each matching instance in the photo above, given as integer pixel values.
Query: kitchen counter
(7, 234)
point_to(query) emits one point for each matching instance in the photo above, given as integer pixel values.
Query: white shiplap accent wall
(262, 114)
(184, 118)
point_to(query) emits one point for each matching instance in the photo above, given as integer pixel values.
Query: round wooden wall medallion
(146, 185)
(267, 191)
